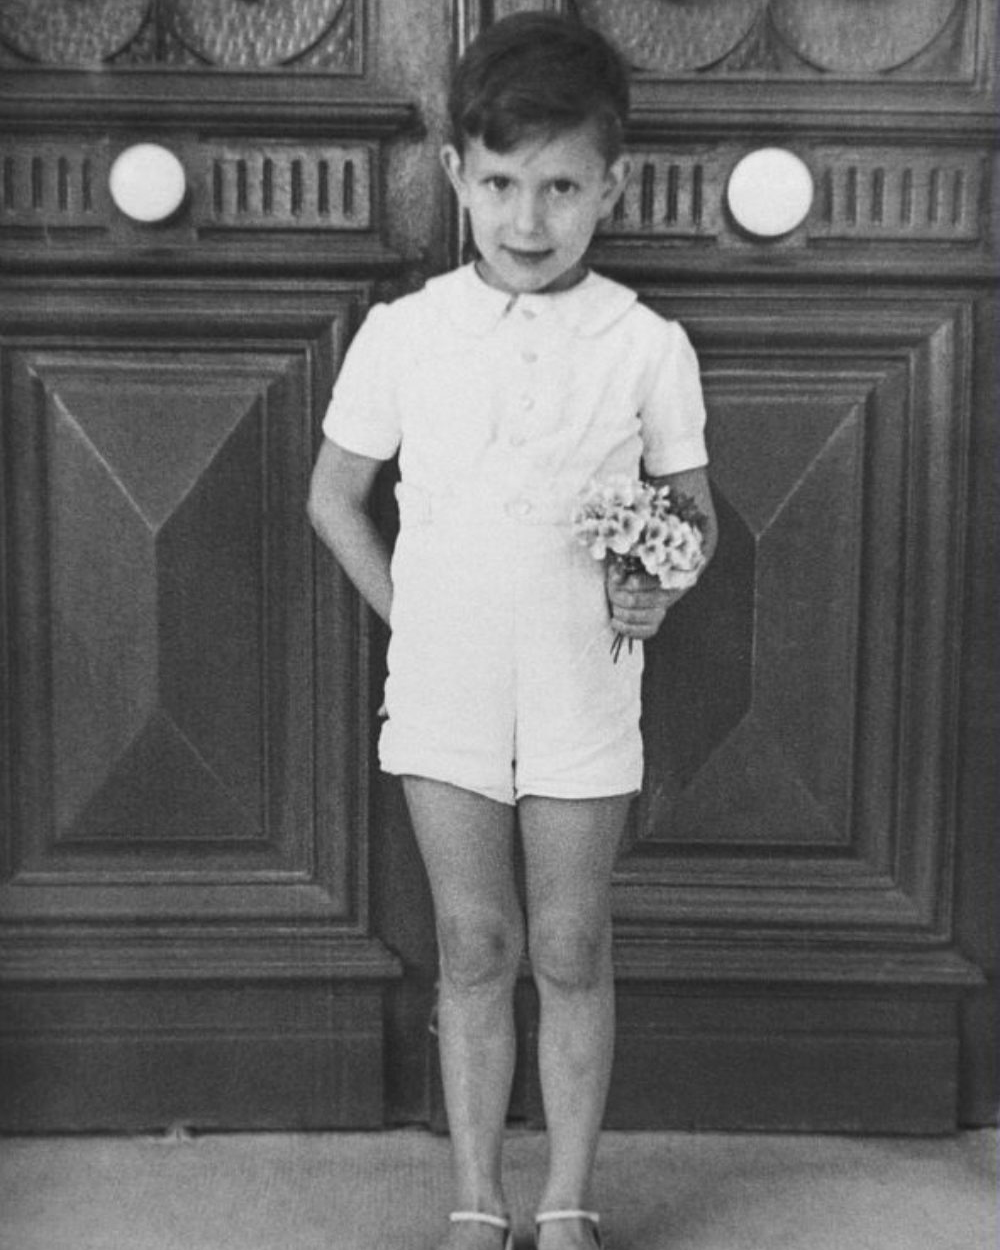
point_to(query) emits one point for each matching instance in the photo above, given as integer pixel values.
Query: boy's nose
(528, 214)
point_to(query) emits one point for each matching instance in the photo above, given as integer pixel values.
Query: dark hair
(535, 72)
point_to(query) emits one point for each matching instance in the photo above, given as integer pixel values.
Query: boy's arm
(338, 510)
(639, 603)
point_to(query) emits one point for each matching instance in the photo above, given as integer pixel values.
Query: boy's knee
(569, 955)
(478, 950)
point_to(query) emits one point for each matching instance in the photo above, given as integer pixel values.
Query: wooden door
(212, 909)
(794, 947)
(802, 920)
(187, 803)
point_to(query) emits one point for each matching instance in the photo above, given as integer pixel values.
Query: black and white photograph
(499, 656)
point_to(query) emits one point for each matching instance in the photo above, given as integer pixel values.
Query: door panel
(158, 469)
(800, 724)
(183, 805)
(815, 647)
(212, 907)
(787, 948)
(188, 680)
(168, 608)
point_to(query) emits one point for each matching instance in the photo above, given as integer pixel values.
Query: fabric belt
(418, 506)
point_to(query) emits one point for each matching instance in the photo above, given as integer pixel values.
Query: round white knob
(770, 192)
(147, 182)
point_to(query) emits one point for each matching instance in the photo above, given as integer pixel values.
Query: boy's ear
(616, 180)
(451, 159)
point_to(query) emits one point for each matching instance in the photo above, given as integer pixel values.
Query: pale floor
(391, 1191)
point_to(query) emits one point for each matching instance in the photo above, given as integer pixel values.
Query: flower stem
(616, 646)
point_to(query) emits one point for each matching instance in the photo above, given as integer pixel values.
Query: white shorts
(501, 679)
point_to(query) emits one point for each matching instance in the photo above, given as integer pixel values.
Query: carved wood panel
(854, 40)
(187, 687)
(800, 713)
(184, 881)
(326, 35)
(317, 200)
(862, 193)
(285, 187)
(928, 38)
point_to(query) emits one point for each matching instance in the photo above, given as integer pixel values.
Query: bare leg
(466, 842)
(570, 848)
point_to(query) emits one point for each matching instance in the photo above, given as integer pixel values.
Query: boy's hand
(638, 602)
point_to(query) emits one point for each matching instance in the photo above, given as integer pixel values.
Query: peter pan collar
(475, 308)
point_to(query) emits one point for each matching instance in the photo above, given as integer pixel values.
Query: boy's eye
(498, 182)
(563, 187)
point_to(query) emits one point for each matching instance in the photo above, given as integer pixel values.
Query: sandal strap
(480, 1217)
(546, 1217)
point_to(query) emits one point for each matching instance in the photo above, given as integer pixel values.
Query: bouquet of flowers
(642, 528)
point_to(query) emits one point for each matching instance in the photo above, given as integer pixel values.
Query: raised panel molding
(785, 949)
(184, 780)
(808, 788)
(163, 611)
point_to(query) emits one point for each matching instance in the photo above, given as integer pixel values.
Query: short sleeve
(673, 408)
(363, 415)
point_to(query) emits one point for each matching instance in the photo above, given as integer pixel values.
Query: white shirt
(521, 400)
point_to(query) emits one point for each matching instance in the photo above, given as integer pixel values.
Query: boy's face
(535, 208)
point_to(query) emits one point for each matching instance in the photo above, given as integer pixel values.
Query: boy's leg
(570, 848)
(466, 842)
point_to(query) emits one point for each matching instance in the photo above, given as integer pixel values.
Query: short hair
(537, 71)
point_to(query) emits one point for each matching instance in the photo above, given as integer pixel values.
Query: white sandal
(547, 1217)
(482, 1217)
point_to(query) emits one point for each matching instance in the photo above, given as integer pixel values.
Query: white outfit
(503, 408)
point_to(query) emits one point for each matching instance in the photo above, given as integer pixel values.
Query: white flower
(639, 527)
(632, 522)
(627, 527)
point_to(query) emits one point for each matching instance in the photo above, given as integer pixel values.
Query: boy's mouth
(529, 258)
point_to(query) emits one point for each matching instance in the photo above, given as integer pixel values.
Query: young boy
(506, 387)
